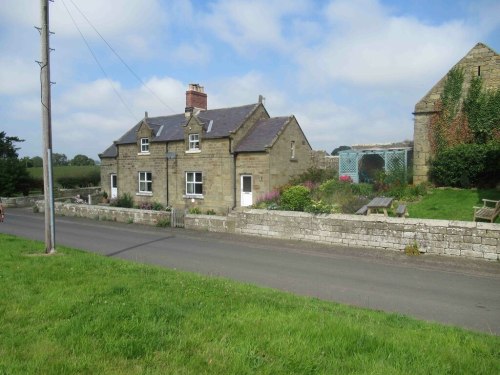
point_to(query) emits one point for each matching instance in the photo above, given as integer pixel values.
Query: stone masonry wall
(216, 166)
(106, 213)
(281, 164)
(443, 237)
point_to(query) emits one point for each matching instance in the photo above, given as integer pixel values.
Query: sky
(350, 71)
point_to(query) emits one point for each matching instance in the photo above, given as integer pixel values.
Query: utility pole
(50, 246)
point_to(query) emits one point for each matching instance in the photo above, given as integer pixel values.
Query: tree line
(14, 176)
(58, 160)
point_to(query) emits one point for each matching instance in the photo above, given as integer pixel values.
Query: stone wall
(106, 213)
(443, 237)
(31, 200)
(323, 160)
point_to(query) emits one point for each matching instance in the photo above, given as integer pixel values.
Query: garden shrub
(365, 190)
(267, 199)
(315, 175)
(195, 211)
(93, 178)
(157, 206)
(319, 207)
(124, 200)
(467, 165)
(295, 198)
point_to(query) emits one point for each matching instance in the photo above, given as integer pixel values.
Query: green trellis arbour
(350, 160)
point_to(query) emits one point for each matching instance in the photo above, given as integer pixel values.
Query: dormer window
(194, 142)
(145, 145)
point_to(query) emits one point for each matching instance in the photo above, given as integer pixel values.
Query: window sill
(143, 153)
(193, 151)
(144, 193)
(193, 196)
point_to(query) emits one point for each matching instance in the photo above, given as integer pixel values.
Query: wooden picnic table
(379, 203)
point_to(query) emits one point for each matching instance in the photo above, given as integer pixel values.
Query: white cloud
(18, 76)
(110, 17)
(246, 25)
(366, 45)
(94, 108)
(197, 54)
(169, 96)
(245, 89)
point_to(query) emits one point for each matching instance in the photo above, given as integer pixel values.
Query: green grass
(65, 171)
(80, 313)
(451, 204)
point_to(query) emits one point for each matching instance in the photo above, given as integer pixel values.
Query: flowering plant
(346, 179)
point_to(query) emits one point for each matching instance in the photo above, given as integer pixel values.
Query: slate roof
(220, 122)
(170, 128)
(262, 135)
(110, 152)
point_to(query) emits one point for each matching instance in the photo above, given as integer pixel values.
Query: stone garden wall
(443, 237)
(107, 213)
(62, 194)
(456, 238)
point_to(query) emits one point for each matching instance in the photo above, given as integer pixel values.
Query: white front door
(114, 186)
(246, 190)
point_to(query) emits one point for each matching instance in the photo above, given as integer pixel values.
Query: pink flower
(346, 179)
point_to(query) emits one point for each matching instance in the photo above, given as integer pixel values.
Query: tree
(336, 151)
(37, 161)
(82, 160)
(59, 159)
(14, 177)
(27, 162)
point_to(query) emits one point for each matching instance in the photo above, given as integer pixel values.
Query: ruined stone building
(479, 61)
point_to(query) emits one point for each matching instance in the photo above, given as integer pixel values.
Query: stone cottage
(213, 159)
(480, 61)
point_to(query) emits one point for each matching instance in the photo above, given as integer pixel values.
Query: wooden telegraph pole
(50, 246)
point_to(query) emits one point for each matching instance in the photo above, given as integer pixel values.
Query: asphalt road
(448, 290)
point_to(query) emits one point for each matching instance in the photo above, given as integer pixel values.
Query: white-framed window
(145, 182)
(292, 150)
(144, 145)
(194, 142)
(194, 183)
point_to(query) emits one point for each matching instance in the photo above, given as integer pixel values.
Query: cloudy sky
(351, 71)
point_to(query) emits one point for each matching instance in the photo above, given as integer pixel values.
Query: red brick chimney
(195, 98)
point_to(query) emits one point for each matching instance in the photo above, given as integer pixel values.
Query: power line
(98, 63)
(123, 61)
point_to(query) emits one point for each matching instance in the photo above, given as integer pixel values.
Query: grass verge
(77, 312)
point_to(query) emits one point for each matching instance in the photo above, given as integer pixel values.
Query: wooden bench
(401, 211)
(489, 211)
(362, 211)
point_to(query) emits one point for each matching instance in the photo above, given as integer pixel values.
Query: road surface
(448, 290)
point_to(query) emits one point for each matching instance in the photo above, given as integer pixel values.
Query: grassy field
(66, 171)
(451, 204)
(80, 313)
